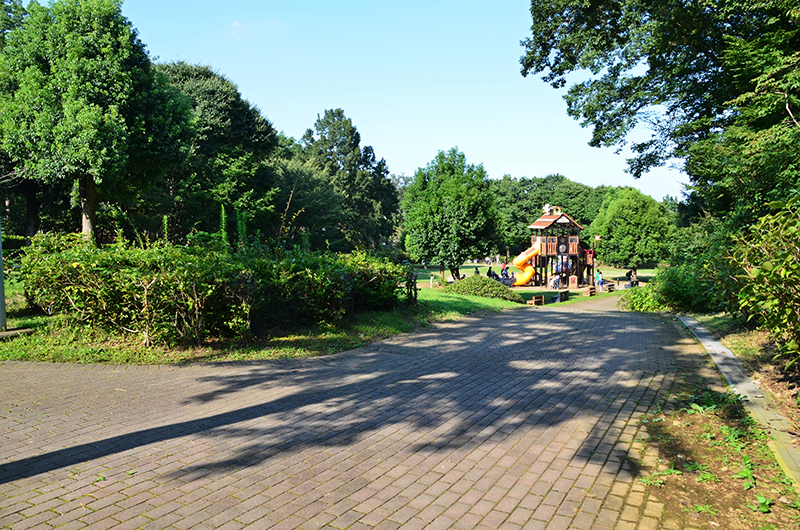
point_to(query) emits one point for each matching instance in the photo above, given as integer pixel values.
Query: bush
(479, 285)
(770, 257)
(673, 289)
(183, 294)
(641, 299)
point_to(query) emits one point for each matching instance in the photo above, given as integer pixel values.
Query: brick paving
(522, 419)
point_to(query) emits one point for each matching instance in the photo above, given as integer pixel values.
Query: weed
(746, 473)
(694, 408)
(763, 504)
(652, 480)
(707, 476)
(704, 508)
(695, 466)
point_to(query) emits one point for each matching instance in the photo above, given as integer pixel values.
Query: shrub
(681, 289)
(183, 294)
(642, 299)
(479, 285)
(770, 257)
(673, 289)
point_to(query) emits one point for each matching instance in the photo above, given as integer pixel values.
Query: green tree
(449, 212)
(229, 161)
(671, 65)
(634, 229)
(11, 15)
(81, 102)
(370, 199)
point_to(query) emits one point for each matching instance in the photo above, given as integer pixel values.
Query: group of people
(504, 274)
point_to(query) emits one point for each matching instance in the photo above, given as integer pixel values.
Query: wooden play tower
(559, 238)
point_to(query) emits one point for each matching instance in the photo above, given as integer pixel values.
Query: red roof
(558, 220)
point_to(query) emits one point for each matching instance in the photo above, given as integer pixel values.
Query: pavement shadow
(462, 384)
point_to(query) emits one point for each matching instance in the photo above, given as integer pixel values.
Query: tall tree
(662, 63)
(634, 228)
(370, 198)
(449, 212)
(80, 101)
(229, 159)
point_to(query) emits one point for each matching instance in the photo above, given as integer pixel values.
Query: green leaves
(182, 294)
(449, 211)
(770, 255)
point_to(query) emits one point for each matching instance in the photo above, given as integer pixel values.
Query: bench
(590, 291)
(563, 295)
(538, 299)
(610, 287)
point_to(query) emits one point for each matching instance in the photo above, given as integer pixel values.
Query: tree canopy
(228, 164)
(370, 202)
(634, 229)
(449, 212)
(79, 101)
(688, 70)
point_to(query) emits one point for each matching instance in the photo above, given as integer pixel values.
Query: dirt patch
(710, 465)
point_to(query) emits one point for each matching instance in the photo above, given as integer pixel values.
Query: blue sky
(415, 77)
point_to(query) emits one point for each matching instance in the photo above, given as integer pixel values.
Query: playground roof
(557, 220)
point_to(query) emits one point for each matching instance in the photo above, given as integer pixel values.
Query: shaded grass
(60, 338)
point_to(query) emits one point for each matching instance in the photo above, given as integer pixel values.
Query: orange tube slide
(523, 263)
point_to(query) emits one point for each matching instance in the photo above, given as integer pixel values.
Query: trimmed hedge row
(184, 294)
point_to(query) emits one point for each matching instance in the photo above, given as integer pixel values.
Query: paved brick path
(517, 420)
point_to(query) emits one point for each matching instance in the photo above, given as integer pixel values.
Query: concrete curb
(755, 401)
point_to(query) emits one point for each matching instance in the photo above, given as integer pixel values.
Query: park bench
(610, 287)
(590, 291)
(562, 296)
(538, 299)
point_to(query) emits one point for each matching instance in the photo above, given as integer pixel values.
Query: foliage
(183, 294)
(228, 161)
(368, 198)
(641, 299)
(634, 228)
(479, 285)
(770, 255)
(449, 212)
(676, 288)
(704, 248)
(715, 82)
(80, 102)
(519, 203)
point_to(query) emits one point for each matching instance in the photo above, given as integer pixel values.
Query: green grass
(63, 339)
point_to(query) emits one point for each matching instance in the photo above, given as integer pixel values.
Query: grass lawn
(60, 338)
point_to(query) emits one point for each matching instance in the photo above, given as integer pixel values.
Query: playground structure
(555, 251)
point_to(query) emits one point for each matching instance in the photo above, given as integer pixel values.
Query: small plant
(707, 476)
(704, 508)
(671, 471)
(694, 408)
(695, 466)
(746, 473)
(652, 480)
(763, 504)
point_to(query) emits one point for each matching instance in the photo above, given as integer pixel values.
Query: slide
(523, 263)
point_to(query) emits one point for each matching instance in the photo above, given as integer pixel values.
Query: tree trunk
(30, 189)
(88, 206)
(454, 271)
(441, 277)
